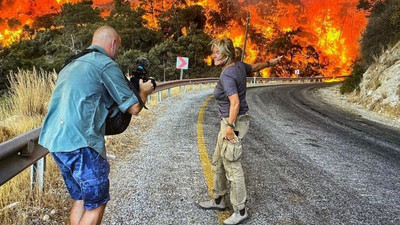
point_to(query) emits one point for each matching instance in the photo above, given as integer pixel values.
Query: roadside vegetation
(22, 109)
(382, 31)
(52, 38)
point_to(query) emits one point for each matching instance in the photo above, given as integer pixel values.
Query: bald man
(74, 128)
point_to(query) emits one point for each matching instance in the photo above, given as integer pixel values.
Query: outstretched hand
(275, 61)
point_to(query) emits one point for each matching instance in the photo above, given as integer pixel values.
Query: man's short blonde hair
(225, 47)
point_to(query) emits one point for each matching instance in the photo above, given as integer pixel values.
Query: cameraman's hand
(145, 88)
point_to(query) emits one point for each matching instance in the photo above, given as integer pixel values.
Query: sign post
(182, 63)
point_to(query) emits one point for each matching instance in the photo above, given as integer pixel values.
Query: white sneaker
(236, 218)
(211, 204)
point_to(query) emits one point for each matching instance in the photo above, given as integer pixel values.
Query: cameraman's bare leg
(76, 213)
(79, 215)
(93, 216)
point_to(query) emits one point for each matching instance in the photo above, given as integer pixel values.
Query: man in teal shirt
(74, 127)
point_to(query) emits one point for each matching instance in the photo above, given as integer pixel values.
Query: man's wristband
(268, 64)
(231, 125)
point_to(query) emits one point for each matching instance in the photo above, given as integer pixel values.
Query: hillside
(378, 95)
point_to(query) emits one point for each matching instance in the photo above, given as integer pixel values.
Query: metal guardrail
(19, 153)
(23, 151)
(296, 79)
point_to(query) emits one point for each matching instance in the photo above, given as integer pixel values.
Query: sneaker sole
(213, 208)
(241, 221)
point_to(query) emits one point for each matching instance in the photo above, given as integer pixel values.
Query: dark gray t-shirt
(232, 81)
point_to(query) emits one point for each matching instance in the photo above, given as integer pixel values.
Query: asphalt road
(305, 162)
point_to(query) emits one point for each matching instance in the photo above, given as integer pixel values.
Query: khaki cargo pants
(226, 164)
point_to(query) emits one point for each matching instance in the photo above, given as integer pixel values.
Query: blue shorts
(85, 174)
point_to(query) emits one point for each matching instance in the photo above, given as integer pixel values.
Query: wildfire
(324, 33)
(334, 80)
(15, 14)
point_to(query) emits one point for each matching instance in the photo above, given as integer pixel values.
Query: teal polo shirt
(84, 92)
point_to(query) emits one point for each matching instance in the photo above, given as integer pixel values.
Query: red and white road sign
(182, 63)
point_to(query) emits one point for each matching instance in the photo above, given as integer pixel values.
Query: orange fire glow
(15, 14)
(334, 80)
(329, 29)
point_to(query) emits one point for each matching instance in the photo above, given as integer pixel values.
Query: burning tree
(317, 37)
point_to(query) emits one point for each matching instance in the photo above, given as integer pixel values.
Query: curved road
(305, 162)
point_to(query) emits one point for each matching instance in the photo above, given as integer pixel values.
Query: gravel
(332, 96)
(161, 182)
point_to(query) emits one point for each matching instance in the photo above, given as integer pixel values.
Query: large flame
(327, 30)
(15, 14)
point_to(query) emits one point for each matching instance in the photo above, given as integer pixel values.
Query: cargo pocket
(95, 192)
(232, 151)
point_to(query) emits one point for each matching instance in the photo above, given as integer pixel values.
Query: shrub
(353, 81)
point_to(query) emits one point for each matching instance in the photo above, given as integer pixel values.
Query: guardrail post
(148, 99)
(37, 174)
(169, 92)
(201, 86)
(159, 96)
(184, 88)
(192, 87)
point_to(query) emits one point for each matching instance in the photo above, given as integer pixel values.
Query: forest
(182, 31)
(381, 33)
(52, 38)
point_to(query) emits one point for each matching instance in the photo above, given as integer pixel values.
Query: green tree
(44, 22)
(174, 20)
(383, 30)
(228, 11)
(131, 27)
(194, 46)
(287, 46)
(127, 59)
(163, 58)
(79, 14)
(353, 81)
(13, 23)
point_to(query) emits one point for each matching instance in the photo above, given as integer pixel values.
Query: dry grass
(22, 110)
(5, 133)
(25, 106)
(31, 91)
(21, 205)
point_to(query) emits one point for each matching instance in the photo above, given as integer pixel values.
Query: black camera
(140, 72)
